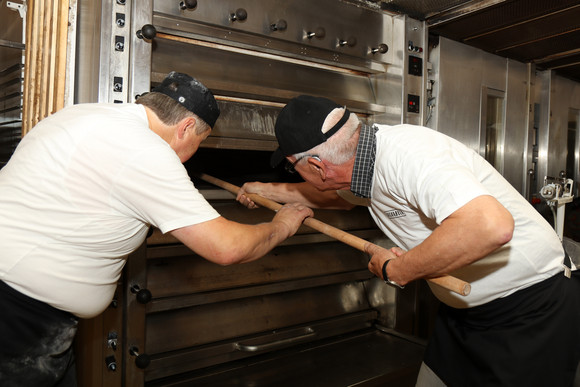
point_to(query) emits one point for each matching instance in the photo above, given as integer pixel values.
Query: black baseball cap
(191, 94)
(299, 125)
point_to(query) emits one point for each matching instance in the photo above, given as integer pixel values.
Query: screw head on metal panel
(111, 363)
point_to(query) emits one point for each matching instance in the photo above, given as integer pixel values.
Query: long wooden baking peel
(448, 282)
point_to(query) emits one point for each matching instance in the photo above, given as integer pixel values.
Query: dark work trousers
(35, 342)
(530, 338)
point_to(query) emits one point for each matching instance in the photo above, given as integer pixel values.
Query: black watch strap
(386, 277)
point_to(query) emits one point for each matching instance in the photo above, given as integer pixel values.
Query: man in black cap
(79, 195)
(451, 213)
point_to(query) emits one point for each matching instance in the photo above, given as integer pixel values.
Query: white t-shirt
(422, 176)
(78, 196)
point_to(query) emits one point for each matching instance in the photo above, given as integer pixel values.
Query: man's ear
(318, 166)
(186, 124)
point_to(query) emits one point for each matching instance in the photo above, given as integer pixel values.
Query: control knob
(148, 31)
(280, 25)
(383, 48)
(351, 42)
(319, 33)
(143, 296)
(188, 4)
(240, 14)
(141, 360)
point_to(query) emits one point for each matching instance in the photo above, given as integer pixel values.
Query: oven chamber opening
(310, 301)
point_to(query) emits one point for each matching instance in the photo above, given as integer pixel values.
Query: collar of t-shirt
(364, 162)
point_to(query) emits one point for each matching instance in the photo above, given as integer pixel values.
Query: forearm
(469, 234)
(303, 193)
(229, 242)
(249, 243)
(226, 242)
(439, 254)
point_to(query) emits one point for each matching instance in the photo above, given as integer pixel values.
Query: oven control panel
(415, 71)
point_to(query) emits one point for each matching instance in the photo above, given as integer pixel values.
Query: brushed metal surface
(190, 274)
(366, 358)
(529, 31)
(339, 20)
(234, 74)
(204, 324)
(466, 77)
(225, 355)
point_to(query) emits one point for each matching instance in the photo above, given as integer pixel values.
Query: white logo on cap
(181, 99)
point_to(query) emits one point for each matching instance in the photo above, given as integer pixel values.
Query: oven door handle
(277, 343)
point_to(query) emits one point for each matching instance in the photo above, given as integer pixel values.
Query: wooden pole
(44, 60)
(448, 282)
(61, 55)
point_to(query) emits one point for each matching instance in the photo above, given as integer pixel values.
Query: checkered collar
(364, 162)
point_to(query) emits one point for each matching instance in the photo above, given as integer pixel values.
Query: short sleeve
(154, 186)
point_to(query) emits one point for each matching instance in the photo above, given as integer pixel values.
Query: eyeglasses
(291, 167)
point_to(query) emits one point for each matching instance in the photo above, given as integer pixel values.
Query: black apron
(530, 338)
(35, 342)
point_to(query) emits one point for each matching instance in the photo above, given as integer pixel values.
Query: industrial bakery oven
(309, 313)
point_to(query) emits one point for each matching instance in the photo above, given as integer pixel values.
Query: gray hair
(340, 147)
(169, 111)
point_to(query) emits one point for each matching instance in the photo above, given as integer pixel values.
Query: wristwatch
(386, 277)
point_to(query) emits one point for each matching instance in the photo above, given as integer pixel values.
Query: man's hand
(378, 257)
(249, 188)
(292, 215)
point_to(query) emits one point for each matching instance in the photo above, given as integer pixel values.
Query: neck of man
(158, 127)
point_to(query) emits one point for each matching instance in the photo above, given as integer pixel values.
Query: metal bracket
(21, 8)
